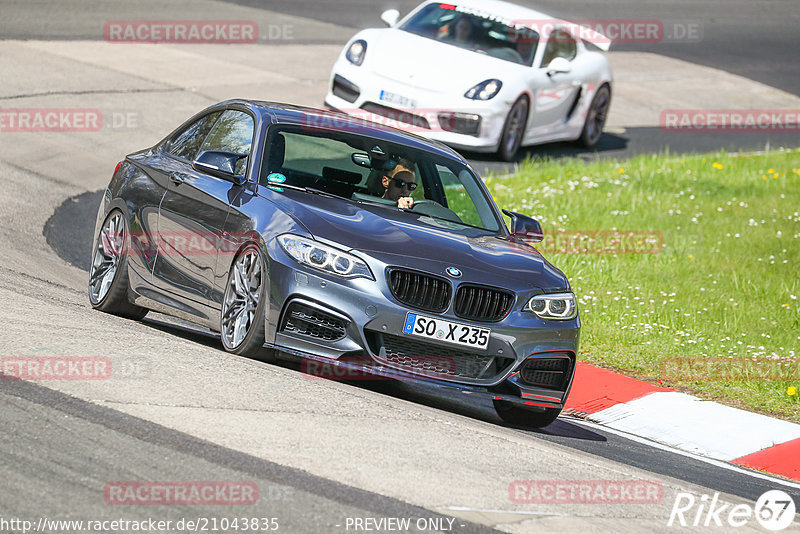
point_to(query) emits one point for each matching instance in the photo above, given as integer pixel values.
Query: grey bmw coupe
(343, 243)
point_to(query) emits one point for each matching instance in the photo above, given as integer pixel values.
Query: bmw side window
(188, 142)
(560, 44)
(233, 132)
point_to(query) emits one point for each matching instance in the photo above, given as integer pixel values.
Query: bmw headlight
(485, 90)
(325, 258)
(355, 54)
(553, 306)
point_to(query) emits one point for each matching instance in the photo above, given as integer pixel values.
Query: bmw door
(193, 213)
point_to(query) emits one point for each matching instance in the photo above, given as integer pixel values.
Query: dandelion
(771, 171)
(717, 165)
(690, 256)
(621, 170)
(791, 391)
(763, 176)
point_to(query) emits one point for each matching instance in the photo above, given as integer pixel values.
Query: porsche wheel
(514, 130)
(517, 416)
(596, 118)
(108, 275)
(242, 313)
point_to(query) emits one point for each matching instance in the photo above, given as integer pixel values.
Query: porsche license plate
(400, 100)
(456, 333)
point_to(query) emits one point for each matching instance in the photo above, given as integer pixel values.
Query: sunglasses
(400, 183)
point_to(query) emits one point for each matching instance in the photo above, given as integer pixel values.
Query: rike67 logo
(774, 510)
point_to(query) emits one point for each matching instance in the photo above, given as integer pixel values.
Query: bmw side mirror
(390, 17)
(525, 227)
(220, 164)
(558, 64)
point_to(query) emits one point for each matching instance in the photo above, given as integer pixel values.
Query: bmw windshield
(437, 190)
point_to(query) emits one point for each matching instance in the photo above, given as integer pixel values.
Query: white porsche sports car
(479, 75)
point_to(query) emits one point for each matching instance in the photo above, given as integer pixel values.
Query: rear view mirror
(220, 164)
(525, 227)
(390, 17)
(361, 159)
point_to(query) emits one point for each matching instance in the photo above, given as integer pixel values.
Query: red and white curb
(685, 422)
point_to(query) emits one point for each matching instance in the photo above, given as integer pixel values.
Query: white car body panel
(424, 76)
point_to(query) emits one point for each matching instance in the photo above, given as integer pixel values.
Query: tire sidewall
(584, 133)
(249, 344)
(123, 259)
(503, 152)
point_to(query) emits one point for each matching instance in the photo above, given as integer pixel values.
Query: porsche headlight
(325, 258)
(485, 90)
(355, 54)
(553, 306)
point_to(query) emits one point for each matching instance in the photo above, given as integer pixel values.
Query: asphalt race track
(322, 453)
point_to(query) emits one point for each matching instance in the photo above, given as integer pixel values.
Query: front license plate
(456, 333)
(400, 100)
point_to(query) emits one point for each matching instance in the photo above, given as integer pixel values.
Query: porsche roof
(502, 9)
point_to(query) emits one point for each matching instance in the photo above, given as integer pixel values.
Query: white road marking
(692, 424)
(667, 448)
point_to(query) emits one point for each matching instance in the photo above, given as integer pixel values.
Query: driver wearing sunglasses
(399, 183)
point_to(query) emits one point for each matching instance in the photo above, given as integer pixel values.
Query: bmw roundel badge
(452, 271)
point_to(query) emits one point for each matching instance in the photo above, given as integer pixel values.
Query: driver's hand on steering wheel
(405, 202)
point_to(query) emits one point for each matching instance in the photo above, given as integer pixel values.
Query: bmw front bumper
(353, 328)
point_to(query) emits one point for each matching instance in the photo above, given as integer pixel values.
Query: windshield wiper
(312, 190)
(411, 210)
(316, 191)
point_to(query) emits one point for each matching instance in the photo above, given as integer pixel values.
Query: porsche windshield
(475, 30)
(442, 190)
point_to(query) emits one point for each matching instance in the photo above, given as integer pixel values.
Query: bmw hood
(430, 65)
(397, 238)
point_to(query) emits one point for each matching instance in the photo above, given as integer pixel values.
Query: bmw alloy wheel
(107, 257)
(108, 274)
(242, 312)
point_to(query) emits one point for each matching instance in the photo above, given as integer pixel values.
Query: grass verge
(716, 311)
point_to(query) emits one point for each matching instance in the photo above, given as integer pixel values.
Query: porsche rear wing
(582, 30)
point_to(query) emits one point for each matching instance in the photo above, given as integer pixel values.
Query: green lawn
(724, 288)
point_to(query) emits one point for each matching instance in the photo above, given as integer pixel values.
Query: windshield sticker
(276, 178)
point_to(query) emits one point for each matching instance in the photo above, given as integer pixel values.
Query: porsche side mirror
(525, 227)
(390, 17)
(220, 164)
(558, 64)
